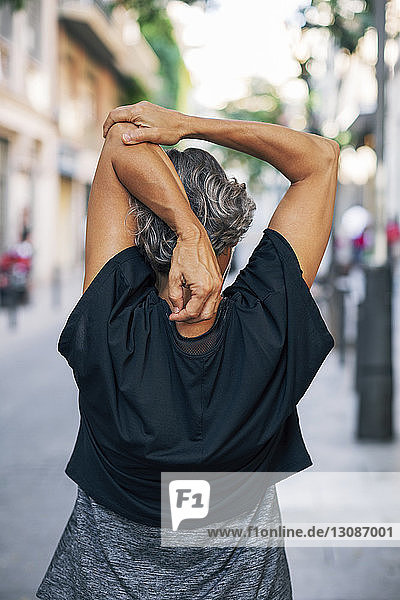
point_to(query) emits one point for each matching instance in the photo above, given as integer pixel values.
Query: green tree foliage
(349, 20)
(132, 91)
(159, 34)
(15, 4)
(158, 31)
(150, 9)
(262, 104)
(347, 24)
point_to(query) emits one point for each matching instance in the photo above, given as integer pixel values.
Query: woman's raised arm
(310, 162)
(146, 172)
(305, 213)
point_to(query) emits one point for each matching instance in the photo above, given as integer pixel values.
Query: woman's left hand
(156, 124)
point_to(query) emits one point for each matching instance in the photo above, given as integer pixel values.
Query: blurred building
(63, 67)
(392, 137)
(28, 127)
(347, 87)
(98, 56)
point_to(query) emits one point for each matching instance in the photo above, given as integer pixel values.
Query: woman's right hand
(155, 123)
(195, 266)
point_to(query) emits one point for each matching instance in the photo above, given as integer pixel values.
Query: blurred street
(39, 421)
(331, 69)
(328, 415)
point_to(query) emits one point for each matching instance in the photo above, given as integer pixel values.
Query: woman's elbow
(115, 141)
(331, 150)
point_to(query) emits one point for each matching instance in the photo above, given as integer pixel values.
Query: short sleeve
(262, 273)
(273, 277)
(120, 283)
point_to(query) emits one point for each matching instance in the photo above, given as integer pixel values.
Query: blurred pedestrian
(393, 238)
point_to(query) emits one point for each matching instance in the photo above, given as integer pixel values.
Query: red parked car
(15, 267)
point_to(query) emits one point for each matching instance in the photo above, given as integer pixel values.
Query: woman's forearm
(296, 154)
(148, 174)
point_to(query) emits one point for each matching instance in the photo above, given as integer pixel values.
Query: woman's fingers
(118, 115)
(195, 264)
(175, 290)
(197, 309)
(168, 122)
(204, 299)
(142, 134)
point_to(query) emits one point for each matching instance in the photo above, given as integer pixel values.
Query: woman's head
(221, 205)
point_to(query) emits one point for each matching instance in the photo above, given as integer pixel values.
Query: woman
(172, 374)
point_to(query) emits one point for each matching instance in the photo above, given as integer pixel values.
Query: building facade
(63, 67)
(28, 129)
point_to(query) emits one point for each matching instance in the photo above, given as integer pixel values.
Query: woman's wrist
(296, 154)
(194, 127)
(190, 229)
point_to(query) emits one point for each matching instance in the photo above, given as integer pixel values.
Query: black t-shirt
(151, 400)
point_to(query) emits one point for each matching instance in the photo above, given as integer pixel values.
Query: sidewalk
(38, 425)
(328, 414)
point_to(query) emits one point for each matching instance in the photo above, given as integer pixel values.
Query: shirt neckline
(172, 324)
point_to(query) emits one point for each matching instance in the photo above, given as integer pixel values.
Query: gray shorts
(102, 555)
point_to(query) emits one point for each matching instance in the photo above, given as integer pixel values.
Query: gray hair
(221, 205)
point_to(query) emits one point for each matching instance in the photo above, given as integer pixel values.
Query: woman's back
(152, 400)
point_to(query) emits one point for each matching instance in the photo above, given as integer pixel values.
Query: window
(34, 18)
(6, 23)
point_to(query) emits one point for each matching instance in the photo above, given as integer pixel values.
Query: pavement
(38, 425)
(328, 416)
